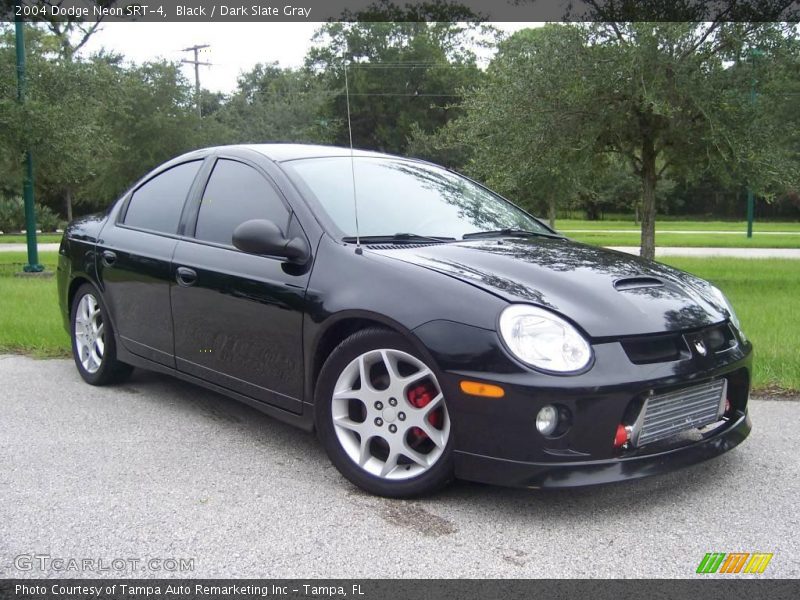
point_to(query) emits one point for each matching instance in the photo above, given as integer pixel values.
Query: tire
(93, 346)
(392, 438)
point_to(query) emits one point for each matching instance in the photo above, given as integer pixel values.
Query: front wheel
(382, 416)
(93, 340)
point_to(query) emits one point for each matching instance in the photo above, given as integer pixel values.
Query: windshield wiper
(410, 238)
(510, 232)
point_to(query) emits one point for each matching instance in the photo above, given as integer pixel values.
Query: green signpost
(751, 201)
(33, 265)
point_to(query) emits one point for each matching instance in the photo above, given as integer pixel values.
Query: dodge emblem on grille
(700, 347)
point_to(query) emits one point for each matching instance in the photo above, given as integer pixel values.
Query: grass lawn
(41, 238)
(30, 321)
(766, 296)
(679, 233)
(739, 240)
(680, 225)
(765, 293)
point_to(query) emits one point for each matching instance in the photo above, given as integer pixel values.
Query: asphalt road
(156, 468)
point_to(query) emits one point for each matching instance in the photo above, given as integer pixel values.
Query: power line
(409, 65)
(196, 62)
(341, 93)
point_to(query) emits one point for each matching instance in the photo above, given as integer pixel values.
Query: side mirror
(260, 236)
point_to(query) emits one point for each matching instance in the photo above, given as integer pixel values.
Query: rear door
(134, 261)
(237, 316)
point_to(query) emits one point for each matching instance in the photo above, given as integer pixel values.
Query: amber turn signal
(474, 388)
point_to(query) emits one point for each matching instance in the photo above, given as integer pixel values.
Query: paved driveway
(157, 468)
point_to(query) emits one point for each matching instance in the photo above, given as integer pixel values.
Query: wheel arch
(76, 283)
(338, 328)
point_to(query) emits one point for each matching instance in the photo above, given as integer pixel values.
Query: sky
(235, 47)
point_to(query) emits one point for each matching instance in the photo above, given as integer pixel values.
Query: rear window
(157, 204)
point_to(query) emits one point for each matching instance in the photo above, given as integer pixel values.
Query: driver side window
(236, 193)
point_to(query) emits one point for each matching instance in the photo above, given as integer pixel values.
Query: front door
(238, 317)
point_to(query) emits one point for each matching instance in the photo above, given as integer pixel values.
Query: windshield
(399, 196)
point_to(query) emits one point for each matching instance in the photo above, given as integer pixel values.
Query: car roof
(284, 152)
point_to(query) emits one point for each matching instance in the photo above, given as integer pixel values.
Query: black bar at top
(401, 10)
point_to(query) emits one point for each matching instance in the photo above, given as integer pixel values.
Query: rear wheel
(93, 346)
(382, 416)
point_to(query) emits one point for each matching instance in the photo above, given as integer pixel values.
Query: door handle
(109, 258)
(185, 276)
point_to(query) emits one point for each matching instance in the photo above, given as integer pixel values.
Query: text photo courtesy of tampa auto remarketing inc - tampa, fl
(386, 299)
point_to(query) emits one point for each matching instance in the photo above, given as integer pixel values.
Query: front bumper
(498, 471)
(495, 440)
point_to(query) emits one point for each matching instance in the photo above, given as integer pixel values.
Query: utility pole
(33, 265)
(196, 62)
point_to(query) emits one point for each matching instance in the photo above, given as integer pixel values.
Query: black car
(424, 326)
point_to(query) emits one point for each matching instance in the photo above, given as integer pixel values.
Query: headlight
(543, 340)
(728, 306)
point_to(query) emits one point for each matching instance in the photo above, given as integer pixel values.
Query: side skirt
(304, 421)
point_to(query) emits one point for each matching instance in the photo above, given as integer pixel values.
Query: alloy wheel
(389, 414)
(89, 333)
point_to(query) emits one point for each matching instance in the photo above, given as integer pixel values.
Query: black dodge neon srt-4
(424, 326)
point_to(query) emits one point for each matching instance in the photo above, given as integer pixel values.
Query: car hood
(607, 293)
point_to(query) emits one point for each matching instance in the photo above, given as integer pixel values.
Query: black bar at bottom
(727, 588)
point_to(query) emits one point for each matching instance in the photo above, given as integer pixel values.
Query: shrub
(12, 216)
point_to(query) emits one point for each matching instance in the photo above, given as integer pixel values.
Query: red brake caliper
(419, 397)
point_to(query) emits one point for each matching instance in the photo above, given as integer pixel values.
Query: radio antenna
(352, 159)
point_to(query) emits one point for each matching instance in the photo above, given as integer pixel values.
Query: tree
(150, 113)
(666, 100)
(403, 75)
(60, 121)
(67, 36)
(519, 143)
(95, 125)
(68, 134)
(69, 32)
(274, 104)
(670, 99)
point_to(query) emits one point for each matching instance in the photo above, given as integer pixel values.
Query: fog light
(547, 420)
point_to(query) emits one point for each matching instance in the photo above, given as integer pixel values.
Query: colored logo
(734, 562)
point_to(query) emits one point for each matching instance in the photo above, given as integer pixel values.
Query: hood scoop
(637, 283)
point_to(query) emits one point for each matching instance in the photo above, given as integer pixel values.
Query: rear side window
(236, 193)
(157, 205)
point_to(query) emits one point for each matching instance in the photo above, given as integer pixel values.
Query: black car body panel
(135, 270)
(587, 283)
(76, 259)
(258, 328)
(582, 473)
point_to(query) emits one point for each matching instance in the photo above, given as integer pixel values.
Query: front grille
(668, 347)
(717, 338)
(665, 415)
(655, 348)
